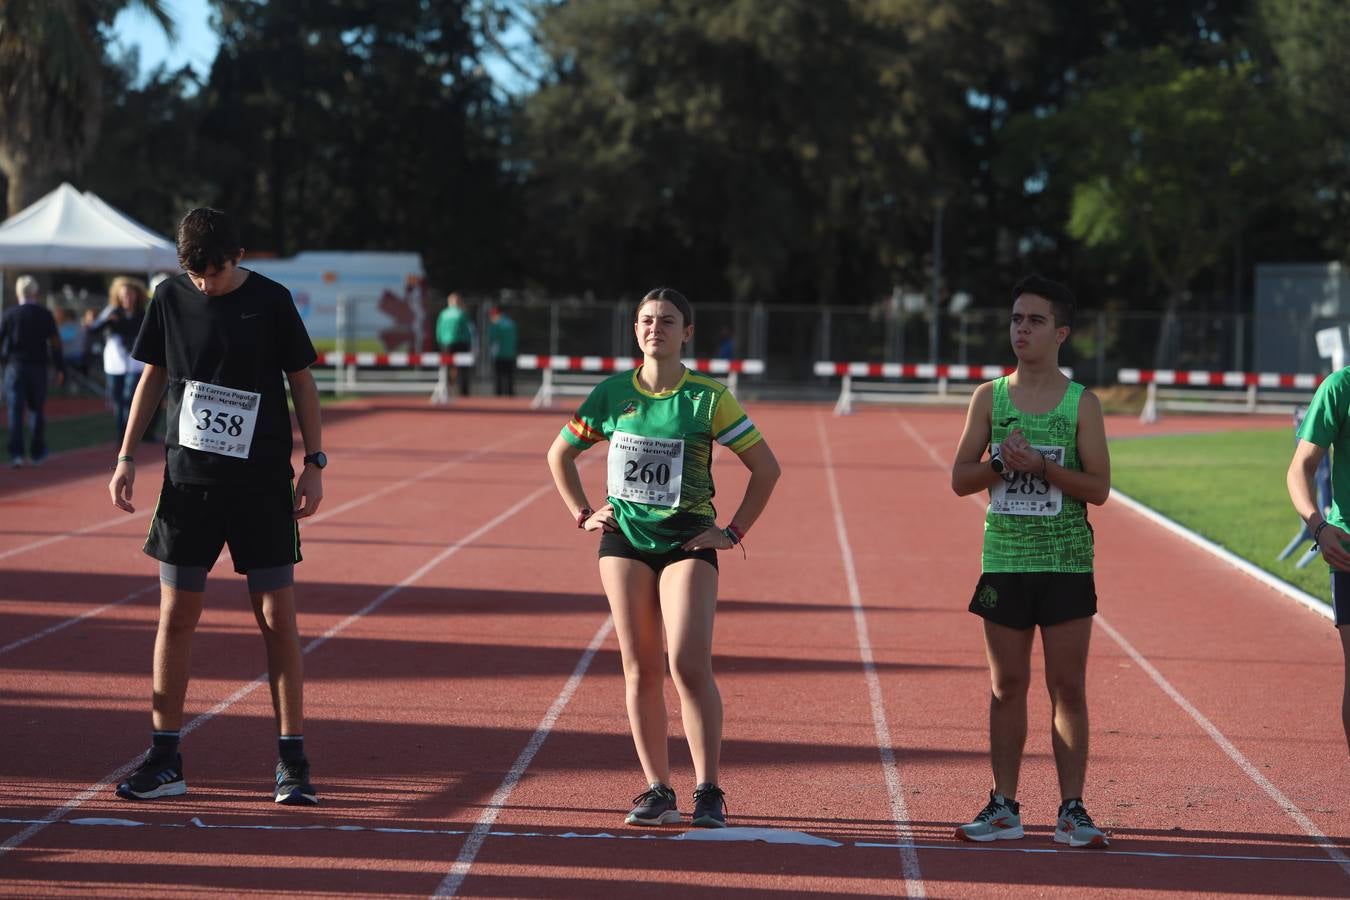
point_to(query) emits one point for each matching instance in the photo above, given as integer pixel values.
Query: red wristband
(585, 513)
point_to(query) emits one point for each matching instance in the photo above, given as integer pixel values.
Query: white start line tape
(737, 835)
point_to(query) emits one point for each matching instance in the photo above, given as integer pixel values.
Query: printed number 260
(221, 423)
(647, 473)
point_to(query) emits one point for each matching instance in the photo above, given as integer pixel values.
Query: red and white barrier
(1241, 394)
(346, 366)
(394, 360)
(578, 375)
(875, 392)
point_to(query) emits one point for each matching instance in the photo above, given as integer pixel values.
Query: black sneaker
(158, 775)
(710, 807)
(654, 806)
(293, 787)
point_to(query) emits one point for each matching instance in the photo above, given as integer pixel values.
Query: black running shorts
(1026, 599)
(613, 543)
(194, 521)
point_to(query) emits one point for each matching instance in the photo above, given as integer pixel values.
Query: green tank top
(1032, 526)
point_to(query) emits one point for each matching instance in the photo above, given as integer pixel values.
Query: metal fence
(790, 339)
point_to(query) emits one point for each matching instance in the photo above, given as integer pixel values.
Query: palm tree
(51, 87)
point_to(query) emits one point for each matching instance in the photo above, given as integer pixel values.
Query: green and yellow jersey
(1031, 525)
(660, 452)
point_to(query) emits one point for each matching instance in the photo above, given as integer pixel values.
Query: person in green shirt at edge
(659, 539)
(1323, 428)
(502, 343)
(1048, 459)
(454, 334)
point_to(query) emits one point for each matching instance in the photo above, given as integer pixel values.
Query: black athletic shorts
(1340, 597)
(613, 543)
(194, 521)
(1026, 599)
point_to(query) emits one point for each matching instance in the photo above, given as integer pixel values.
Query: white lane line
(794, 838)
(74, 620)
(61, 811)
(909, 860)
(1237, 562)
(483, 827)
(79, 532)
(1291, 809)
(306, 524)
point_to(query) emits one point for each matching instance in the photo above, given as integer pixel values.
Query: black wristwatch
(318, 458)
(996, 463)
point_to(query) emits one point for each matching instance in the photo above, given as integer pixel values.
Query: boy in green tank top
(1047, 460)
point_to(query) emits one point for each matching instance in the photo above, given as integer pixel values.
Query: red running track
(465, 696)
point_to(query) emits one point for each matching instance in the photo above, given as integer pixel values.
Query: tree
(1167, 162)
(51, 87)
(364, 125)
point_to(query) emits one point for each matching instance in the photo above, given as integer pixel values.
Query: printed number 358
(221, 423)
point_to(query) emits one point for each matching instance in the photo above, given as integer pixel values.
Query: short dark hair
(1062, 303)
(207, 239)
(670, 295)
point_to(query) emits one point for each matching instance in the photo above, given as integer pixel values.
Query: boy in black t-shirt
(219, 338)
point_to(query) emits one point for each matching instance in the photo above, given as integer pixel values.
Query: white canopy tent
(67, 229)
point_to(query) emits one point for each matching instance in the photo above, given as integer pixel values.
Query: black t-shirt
(26, 333)
(245, 340)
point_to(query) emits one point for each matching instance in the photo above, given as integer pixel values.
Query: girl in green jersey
(1047, 461)
(659, 539)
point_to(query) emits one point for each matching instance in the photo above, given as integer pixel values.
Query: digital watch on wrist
(319, 459)
(996, 463)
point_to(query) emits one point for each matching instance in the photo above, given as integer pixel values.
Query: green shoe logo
(988, 597)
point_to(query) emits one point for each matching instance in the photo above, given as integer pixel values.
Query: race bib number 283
(1027, 493)
(217, 419)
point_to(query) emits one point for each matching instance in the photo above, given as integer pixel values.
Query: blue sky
(196, 44)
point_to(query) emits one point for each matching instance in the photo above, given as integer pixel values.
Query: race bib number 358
(645, 470)
(217, 419)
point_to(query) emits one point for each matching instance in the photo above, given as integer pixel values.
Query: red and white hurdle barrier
(1238, 391)
(578, 374)
(851, 392)
(346, 365)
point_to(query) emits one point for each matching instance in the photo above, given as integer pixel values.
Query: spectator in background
(503, 340)
(28, 341)
(454, 334)
(119, 324)
(726, 344)
(74, 349)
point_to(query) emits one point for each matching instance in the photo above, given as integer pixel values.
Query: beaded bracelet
(1317, 532)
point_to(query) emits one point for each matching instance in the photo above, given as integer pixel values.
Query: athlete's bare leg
(688, 603)
(631, 587)
(1009, 652)
(275, 613)
(1066, 652)
(179, 612)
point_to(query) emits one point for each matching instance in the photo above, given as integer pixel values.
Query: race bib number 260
(217, 419)
(645, 470)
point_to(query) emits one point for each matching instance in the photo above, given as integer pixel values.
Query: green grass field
(1228, 487)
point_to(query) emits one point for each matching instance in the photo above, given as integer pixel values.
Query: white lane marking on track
(306, 524)
(1236, 755)
(60, 812)
(450, 885)
(79, 532)
(785, 836)
(1261, 575)
(909, 860)
(74, 620)
(1288, 806)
